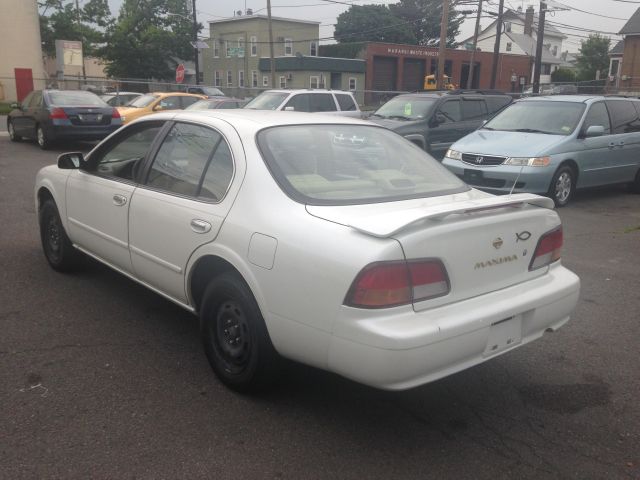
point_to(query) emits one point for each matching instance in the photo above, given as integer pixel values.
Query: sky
(326, 13)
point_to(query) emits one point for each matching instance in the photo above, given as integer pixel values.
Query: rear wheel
(235, 336)
(12, 132)
(43, 140)
(635, 185)
(562, 186)
(60, 253)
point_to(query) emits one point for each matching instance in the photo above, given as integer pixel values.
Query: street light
(195, 38)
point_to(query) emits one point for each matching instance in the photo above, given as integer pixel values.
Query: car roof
(306, 90)
(564, 98)
(181, 94)
(122, 93)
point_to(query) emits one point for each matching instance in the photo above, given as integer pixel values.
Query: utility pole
(272, 61)
(195, 43)
(539, 44)
(443, 44)
(84, 72)
(496, 47)
(476, 32)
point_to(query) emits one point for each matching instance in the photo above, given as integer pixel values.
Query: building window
(555, 51)
(241, 78)
(216, 48)
(283, 82)
(229, 78)
(508, 46)
(546, 69)
(241, 47)
(254, 46)
(314, 49)
(353, 83)
(226, 48)
(216, 78)
(613, 71)
(507, 26)
(265, 81)
(288, 47)
(314, 81)
(254, 78)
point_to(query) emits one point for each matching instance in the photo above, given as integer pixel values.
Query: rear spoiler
(386, 225)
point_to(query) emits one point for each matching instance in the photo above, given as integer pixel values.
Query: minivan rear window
(345, 164)
(538, 116)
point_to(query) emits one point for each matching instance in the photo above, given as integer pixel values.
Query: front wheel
(562, 186)
(12, 132)
(235, 337)
(58, 250)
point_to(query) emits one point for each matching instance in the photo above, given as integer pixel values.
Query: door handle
(200, 226)
(612, 145)
(119, 200)
(621, 144)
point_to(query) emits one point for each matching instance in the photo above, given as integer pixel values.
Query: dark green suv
(434, 121)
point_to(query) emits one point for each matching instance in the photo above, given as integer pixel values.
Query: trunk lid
(89, 115)
(485, 243)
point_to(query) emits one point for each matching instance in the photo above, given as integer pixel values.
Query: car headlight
(528, 161)
(454, 154)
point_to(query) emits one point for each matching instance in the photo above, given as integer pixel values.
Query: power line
(591, 13)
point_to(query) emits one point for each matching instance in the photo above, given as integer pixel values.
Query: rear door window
(597, 115)
(474, 109)
(170, 103)
(186, 101)
(36, 100)
(624, 116)
(322, 102)
(346, 102)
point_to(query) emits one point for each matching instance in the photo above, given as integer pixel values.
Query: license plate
(473, 176)
(503, 335)
(90, 117)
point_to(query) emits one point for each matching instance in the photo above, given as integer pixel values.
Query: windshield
(351, 164)
(202, 105)
(75, 98)
(267, 101)
(142, 101)
(553, 118)
(406, 108)
(212, 91)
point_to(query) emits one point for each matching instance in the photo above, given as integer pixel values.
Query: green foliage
(341, 50)
(375, 23)
(146, 35)
(593, 56)
(563, 75)
(423, 17)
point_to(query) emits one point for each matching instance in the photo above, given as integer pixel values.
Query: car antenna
(516, 180)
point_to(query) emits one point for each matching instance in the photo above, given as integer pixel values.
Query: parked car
(217, 103)
(157, 102)
(568, 89)
(334, 102)
(433, 121)
(209, 92)
(50, 115)
(553, 145)
(119, 99)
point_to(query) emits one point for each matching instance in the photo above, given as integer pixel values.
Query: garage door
(413, 74)
(385, 70)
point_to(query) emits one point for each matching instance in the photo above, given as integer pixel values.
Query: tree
(145, 37)
(424, 18)
(374, 23)
(593, 56)
(563, 75)
(59, 20)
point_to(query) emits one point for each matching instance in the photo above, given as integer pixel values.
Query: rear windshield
(202, 105)
(142, 101)
(75, 98)
(267, 101)
(406, 108)
(351, 164)
(539, 116)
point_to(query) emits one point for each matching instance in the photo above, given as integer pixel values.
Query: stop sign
(180, 73)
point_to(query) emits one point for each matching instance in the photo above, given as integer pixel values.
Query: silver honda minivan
(553, 145)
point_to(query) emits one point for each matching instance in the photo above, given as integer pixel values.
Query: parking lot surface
(101, 378)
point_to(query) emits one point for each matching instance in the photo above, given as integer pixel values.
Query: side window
(623, 116)
(322, 102)
(170, 103)
(450, 110)
(186, 101)
(300, 102)
(228, 105)
(185, 155)
(27, 100)
(123, 157)
(36, 100)
(474, 109)
(346, 102)
(597, 115)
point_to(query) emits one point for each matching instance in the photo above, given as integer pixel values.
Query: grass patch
(5, 108)
(632, 229)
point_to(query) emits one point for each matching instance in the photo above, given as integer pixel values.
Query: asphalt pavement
(101, 378)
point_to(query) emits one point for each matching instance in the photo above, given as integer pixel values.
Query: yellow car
(156, 102)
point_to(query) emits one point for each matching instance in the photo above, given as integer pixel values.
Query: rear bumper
(405, 349)
(80, 132)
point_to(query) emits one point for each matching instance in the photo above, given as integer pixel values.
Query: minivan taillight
(391, 284)
(548, 249)
(57, 114)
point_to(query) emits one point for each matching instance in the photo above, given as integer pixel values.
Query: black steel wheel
(57, 247)
(235, 336)
(13, 136)
(563, 185)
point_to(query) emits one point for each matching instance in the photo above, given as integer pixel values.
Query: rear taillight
(58, 114)
(548, 249)
(390, 284)
(115, 114)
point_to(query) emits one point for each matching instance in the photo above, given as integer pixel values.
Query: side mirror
(71, 161)
(437, 119)
(14, 105)
(594, 131)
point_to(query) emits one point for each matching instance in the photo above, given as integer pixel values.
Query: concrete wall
(20, 45)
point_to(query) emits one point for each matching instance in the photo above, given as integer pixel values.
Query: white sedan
(329, 241)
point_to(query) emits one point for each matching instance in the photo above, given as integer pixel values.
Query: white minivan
(334, 102)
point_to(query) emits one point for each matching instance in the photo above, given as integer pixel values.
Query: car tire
(235, 337)
(41, 137)
(634, 186)
(563, 186)
(58, 249)
(12, 133)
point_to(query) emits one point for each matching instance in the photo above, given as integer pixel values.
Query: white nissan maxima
(332, 242)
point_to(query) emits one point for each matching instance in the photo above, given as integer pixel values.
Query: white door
(181, 205)
(99, 197)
